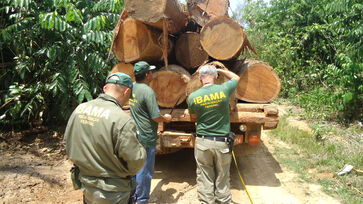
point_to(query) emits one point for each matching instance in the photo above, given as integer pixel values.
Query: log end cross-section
(136, 41)
(222, 38)
(188, 50)
(169, 85)
(258, 82)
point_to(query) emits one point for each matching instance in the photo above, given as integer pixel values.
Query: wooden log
(153, 13)
(222, 38)
(195, 83)
(124, 68)
(201, 11)
(189, 52)
(258, 82)
(116, 30)
(135, 41)
(169, 84)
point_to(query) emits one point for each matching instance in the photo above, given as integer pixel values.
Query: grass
(325, 151)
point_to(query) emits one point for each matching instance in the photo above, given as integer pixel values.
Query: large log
(258, 82)
(153, 13)
(222, 38)
(124, 68)
(135, 41)
(124, 15)
(188, 50)
(169, 85)
(201, 11)
(195, 83)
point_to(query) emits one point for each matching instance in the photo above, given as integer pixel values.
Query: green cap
(123, 79)
(142, 67)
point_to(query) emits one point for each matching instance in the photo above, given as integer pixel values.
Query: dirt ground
(33, 170)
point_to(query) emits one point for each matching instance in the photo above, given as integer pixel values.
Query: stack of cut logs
(179, 40)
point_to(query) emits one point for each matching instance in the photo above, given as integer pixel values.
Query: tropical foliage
(316, 47)
(53, 56)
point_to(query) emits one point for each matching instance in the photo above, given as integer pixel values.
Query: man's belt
(215, 138)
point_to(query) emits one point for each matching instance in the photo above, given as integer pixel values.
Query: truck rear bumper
(184, 140)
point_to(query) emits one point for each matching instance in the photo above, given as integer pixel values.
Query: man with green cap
(100, 140)
(145, 111)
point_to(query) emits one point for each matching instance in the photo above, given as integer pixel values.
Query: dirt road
(41, 175)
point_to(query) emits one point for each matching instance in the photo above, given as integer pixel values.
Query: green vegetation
(316, 48)
(53, 56)
(325, 151)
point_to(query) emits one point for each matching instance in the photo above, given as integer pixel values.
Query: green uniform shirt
(211, 105)
(144, 107)
(101, 140)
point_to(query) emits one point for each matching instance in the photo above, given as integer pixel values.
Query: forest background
(54, 55)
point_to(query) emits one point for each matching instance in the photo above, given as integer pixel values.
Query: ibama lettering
(94, 111)
(210, 97)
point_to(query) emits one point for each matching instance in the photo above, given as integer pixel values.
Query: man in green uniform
(209, 105)
(145, 111)
(100, 139)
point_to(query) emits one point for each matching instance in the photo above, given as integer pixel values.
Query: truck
(247, 122)
(159, 30)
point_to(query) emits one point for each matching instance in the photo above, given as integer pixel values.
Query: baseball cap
(123, 79)
(142, 67)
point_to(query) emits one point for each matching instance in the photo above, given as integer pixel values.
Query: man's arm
(129, 149)
(228, 74)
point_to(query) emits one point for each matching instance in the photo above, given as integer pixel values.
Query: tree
(316, 47)
(59, 49)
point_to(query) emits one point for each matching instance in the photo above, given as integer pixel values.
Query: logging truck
(247, 121)
(178, 42)
(173, 85)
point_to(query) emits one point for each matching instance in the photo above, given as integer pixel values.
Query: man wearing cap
(209, 106)
(145, 111)
(100, 140)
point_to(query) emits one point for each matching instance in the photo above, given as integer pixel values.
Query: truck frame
(247, 120)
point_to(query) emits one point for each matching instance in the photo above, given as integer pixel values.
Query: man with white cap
(209, 106)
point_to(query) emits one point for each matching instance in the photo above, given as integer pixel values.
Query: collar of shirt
(109, 98)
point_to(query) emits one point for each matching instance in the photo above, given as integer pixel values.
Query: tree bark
(189, 52)
(124, 68)
(154, 12)
(201, 11)
(120, 21)
(195, 83)
(135, 41)
(258, 82)
(169, 85)
(222, 38)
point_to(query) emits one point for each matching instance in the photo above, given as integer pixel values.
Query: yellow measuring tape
(240, 176)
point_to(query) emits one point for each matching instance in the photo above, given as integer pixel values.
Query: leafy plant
(316, 48)
(60, 49)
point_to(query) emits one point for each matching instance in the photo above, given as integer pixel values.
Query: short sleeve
(152, 104)
(230, 85)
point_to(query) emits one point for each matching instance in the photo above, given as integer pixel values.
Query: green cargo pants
(106, 190)
(213, 164)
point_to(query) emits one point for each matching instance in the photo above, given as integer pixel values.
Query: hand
(167, 117)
